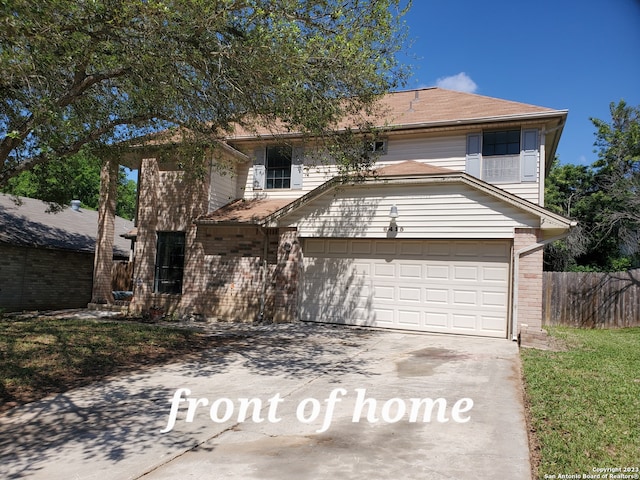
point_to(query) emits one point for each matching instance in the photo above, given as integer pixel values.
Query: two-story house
(445, 235)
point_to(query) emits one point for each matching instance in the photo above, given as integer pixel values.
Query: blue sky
(562, 54)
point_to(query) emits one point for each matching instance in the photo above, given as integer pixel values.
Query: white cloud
(460, 82)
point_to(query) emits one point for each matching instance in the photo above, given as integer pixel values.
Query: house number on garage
(310, 410)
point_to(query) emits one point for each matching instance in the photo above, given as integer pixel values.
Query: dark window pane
(169, 262)
(504, 142)
(278, 168)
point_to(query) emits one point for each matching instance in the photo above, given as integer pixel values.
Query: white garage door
(425, 285)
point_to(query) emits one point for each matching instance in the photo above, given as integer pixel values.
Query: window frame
(378, 146)
(515, 167)
(169, 264)
(504, 147)
(278, 177)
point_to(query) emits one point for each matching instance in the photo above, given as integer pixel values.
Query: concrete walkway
(474, 429)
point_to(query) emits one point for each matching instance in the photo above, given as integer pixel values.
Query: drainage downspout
(516, 276)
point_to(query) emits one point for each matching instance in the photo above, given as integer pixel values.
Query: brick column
(529, 295)
(285, 284)
(103, 258)
(145, 249)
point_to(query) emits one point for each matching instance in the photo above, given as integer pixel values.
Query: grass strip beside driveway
(41, 356)
(584, 403)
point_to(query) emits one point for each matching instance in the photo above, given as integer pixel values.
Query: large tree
(604, 197)
(78, 72)
(618, 176)
(76, 177)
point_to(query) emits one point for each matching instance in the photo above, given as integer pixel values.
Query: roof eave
(465, 122)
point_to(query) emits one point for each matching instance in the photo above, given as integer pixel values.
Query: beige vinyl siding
(434, 211)
(222, 187)
(443, 151)
(528, 190)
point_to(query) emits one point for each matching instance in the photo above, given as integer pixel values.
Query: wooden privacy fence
(122, 276)
(591, 300)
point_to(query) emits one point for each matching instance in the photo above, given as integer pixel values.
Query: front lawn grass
(584, 403)
(40, 356)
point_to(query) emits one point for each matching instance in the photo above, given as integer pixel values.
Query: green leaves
(77, 73)
(604, 198)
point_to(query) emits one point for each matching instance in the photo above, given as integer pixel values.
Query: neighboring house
(445, 236)
(46, 259)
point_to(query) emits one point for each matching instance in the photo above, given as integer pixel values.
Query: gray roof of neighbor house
(27, 224)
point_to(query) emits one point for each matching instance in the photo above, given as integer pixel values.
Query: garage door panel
(465, 298)
(383, 293)
(494, 299)
(385, 248)
(412, 272)
(384, 316)
(437, 272)
(361, 269)
(494, 274)
(384, 271)
(499, 251)
(409, 317)
(436, 320)
(411, 248)
(492, 323)
(361, 247)
(338, 246)
(460, 321)
(466, 272)
(409, 294)
(437, 286)
(438, 249)
(436, 296)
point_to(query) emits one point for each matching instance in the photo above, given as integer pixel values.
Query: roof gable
(427, 175)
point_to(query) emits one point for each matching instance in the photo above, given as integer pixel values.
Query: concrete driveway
(293, 401)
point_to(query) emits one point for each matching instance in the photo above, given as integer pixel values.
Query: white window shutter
(297, 168)
(259, 169)
(529, 155)
(474, 154)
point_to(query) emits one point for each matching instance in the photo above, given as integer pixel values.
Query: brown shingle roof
(433, 105)
(245, 211)
(436, 105)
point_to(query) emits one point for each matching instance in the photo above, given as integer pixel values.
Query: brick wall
(224, 272)
(225, 279)
(42, 279)
(530, 279)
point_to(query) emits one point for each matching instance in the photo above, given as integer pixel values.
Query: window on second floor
(504, 142)
(503, 156)
(278, 167)
(376, 146)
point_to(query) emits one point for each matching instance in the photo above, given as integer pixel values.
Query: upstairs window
(376, 146)
(504, 156)
(169, 262)
(504, 142)
(278, 167)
